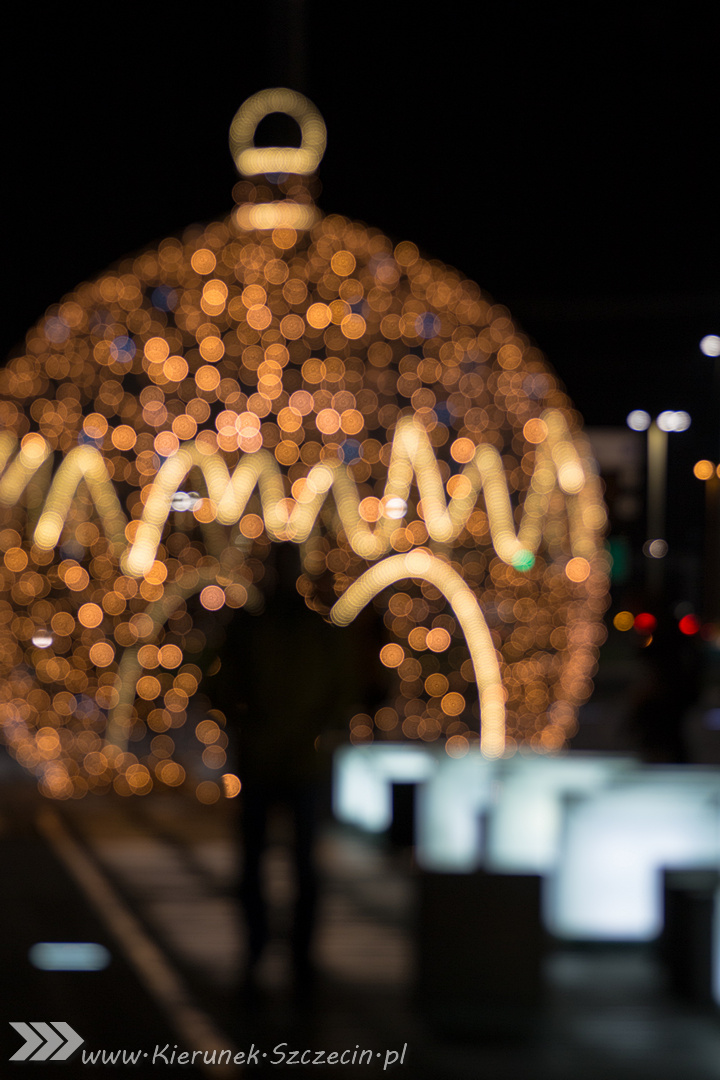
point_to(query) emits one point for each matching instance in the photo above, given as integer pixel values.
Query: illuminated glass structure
(284, 375)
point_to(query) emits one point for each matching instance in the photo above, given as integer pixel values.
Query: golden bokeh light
(287, 376)
(392, 655)
(624, 621)
(207, 792)
(578, 569)
(232, 785)
(704, 469)
(438, 639)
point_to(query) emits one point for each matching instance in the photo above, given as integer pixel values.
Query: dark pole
(711, 597)
(287, 45)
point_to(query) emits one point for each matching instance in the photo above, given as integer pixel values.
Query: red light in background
(645, 623)
(689, 624)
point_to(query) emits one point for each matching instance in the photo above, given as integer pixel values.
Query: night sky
(563, 156)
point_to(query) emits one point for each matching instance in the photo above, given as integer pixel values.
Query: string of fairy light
(245, 384)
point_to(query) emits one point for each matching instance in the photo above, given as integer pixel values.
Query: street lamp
(655, 547)
(710, 345)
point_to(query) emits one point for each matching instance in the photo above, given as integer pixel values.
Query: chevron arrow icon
(32, 1040)
(73, 1040)
(55, 1043)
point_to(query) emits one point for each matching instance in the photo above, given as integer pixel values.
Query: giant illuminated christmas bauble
(282, 375)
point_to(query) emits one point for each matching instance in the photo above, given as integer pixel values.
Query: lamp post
(710, 347)
(655, 546)
(710, 473)
(707, 471)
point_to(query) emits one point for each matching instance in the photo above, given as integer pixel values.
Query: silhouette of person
(287, 680)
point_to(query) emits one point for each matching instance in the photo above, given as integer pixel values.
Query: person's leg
(253, 828)
(304, 811)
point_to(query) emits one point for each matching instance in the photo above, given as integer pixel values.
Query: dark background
(563, 156)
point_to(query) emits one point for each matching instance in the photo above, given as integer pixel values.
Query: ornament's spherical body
(286, 376)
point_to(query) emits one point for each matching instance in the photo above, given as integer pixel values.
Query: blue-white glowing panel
(615, 844)
(363, 777)
(69, 956)
(716, 949)
(452, 796)
(526, 817)
(448, 814)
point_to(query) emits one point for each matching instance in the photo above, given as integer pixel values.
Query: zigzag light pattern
(557, 467)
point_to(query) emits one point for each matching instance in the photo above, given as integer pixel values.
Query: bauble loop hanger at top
(253, 160)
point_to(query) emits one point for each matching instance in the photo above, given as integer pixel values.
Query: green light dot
(523, 560)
